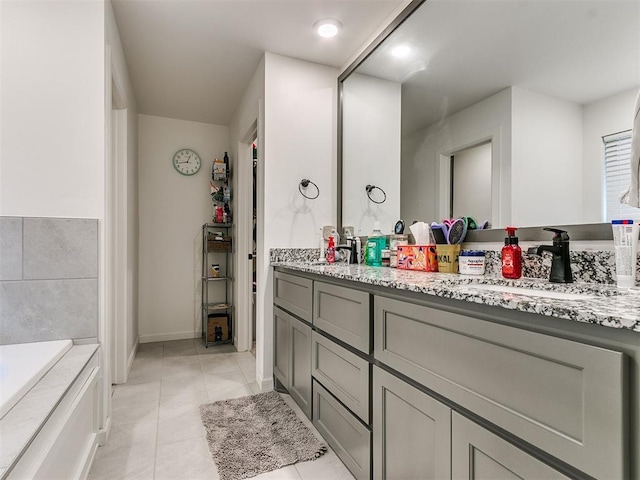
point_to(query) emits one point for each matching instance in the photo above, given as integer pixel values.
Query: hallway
(156, 431)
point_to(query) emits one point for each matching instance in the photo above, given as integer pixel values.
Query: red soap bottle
(331, 250)
(511, 255)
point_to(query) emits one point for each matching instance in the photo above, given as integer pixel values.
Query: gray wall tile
(10, 248)
(39, 310)
(56, 248)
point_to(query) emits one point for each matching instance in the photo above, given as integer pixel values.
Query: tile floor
(156, 431)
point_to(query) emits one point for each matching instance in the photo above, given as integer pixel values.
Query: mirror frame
(591, 231)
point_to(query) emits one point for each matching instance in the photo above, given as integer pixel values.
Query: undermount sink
(531, 292)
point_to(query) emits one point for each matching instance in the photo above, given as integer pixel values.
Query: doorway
(471, 183)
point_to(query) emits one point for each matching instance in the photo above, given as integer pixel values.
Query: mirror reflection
(491, 109)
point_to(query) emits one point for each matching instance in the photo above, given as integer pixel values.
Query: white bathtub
(23, 365)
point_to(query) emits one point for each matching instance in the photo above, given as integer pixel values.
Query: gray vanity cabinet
(411, 432)
(343, 313)
(294, 294)
(565, 397)
(292, 357)
(479, 454)
(345, 434)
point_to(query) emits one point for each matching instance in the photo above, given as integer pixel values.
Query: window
(617, 173)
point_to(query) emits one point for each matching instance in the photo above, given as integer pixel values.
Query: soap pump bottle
(375, 244)
(511, 255)
(331, 250)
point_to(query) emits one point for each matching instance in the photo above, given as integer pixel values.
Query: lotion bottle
(511, 255)
(331, 250)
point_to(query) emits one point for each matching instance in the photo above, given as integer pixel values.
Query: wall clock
(187, 162)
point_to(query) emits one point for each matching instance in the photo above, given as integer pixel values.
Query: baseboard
(166, 337)
(266, 384)
(103, 433)
(132, 356)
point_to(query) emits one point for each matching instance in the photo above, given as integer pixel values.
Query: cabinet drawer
(343, 313)
(479, 454)
(565, 397)
(345, 374)
(349, 438)
(411, 432)
(294, 294)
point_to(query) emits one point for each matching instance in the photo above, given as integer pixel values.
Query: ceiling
(464, 51)
(193, 59)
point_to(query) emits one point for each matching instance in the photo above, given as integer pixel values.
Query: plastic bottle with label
(376, 242)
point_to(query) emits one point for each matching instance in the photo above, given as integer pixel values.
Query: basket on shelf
(218, 244)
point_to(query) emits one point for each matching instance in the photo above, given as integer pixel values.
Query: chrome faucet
(561, 261)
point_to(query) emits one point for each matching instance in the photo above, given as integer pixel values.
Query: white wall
(52, 115)
(603, 117)
(371, 143)
(546, 146)
(425, 165)
(299, 142)
(173, 208)
(130, 192)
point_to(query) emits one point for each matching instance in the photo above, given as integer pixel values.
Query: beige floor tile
(228, 393)
(181, 402)
(221, 386)
(218, 363)
(124, 412)
(130, 452)
(180, 425)
(323, 468)
(180, 347)
(214, 350)
(190, 383)
(143, 393)
(188, 459)
(286, 473)
(182, 368)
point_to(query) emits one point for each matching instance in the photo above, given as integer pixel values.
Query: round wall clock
(186, 161)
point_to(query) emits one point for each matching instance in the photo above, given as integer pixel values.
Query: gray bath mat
(256, 434)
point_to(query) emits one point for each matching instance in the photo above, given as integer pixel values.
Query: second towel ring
(371, 188)
(304, 183)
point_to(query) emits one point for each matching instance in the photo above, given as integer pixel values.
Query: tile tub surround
(23, 422)
(609, 306)
(48, 279)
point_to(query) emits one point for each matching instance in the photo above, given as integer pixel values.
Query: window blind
(617, 168)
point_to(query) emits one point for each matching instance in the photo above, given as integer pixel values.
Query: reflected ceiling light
(327, 27)
(401, 51)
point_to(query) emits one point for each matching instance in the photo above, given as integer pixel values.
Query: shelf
(216, 279)
(218, 225)
(217, 307)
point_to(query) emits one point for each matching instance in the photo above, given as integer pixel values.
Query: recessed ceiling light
(401, 51)
(327, 27)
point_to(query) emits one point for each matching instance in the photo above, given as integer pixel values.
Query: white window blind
(617, 168)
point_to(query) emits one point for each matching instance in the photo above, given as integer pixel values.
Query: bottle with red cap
(511, 255)
(331, 250)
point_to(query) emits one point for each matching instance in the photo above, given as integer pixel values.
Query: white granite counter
(23, 422)
(603, 304)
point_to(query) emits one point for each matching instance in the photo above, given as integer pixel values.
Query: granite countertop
(604, 305)
(22, 423)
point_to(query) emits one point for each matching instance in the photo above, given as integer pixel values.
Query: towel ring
(304, 183)
(371, 188)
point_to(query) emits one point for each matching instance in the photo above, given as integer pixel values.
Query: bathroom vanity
(413, 375)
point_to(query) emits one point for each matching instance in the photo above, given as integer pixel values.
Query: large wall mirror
(490, 109)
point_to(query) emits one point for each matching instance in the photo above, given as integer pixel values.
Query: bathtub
(23, 365)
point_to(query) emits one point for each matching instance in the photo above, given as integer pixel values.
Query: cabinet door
(281, 345)
(300, 364)
(478, 454)
(411, 432)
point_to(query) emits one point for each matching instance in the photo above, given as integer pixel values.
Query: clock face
(186, 161)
